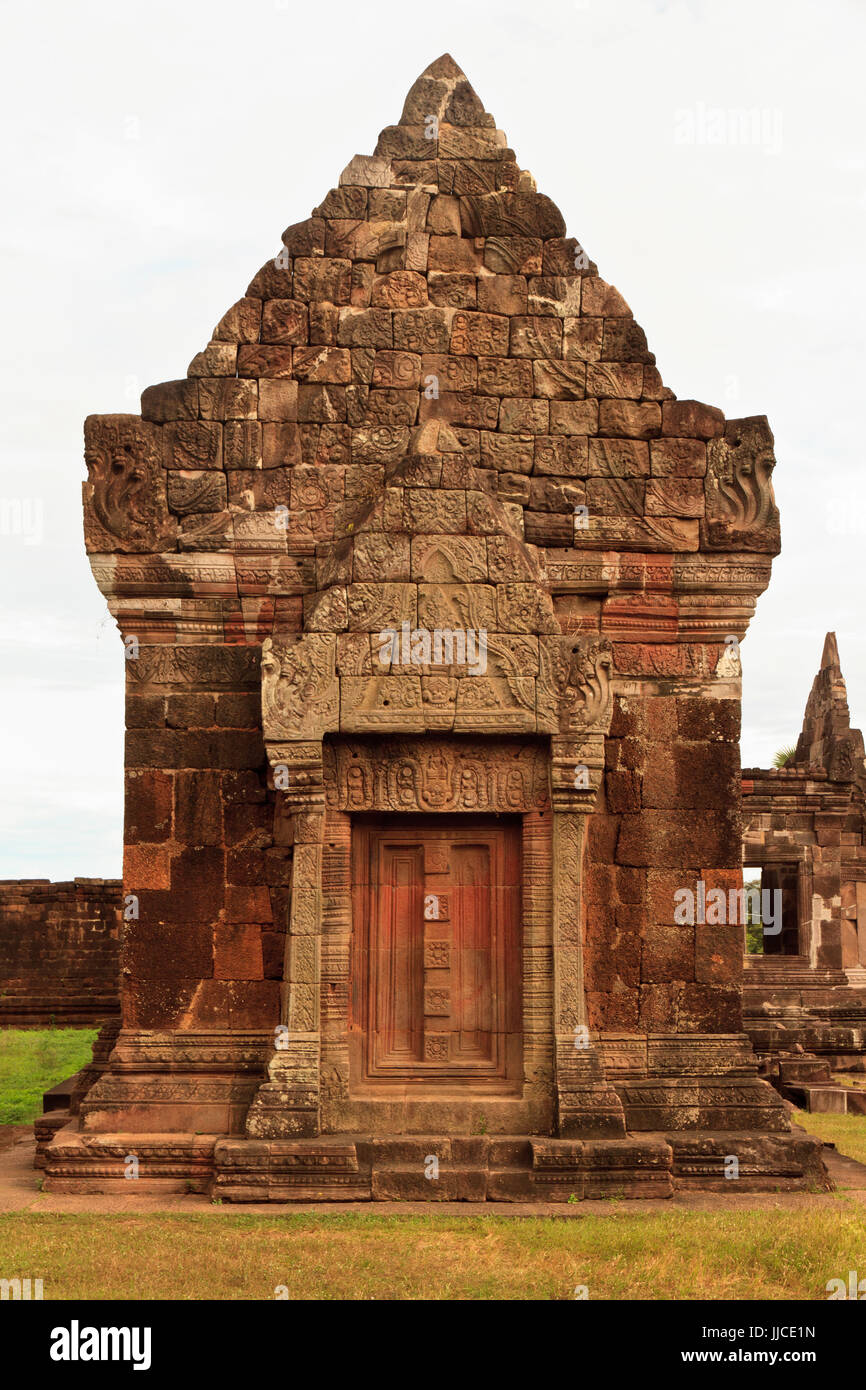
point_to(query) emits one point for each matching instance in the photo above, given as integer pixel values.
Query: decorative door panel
(436, 978)
(395, 961)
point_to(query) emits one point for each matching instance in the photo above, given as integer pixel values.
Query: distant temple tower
(805, 830)
(431, 592)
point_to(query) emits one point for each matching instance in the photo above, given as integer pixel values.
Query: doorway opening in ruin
(772, 926)
(436, 977)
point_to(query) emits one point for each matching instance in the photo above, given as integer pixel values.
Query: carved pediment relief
(437, 626)
(449, 559)
(553, 685)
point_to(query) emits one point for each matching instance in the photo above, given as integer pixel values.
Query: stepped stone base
(46, 1127)
(90, 1163)
(477, 1168)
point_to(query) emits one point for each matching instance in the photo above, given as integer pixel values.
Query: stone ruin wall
(59, 952)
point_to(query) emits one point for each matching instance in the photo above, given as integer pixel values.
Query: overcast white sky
(152, 153)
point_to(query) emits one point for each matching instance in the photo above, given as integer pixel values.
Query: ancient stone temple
(805, 832)
(430, 592)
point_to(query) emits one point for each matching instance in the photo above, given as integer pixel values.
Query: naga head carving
(300, 692)
(589, 674)
(741, 508)
(124, 497)
(581, 670)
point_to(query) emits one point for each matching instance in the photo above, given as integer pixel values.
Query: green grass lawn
(32, 1060)
(847, 1132)
(652, 1255)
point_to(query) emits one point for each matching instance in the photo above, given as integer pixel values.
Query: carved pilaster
(287, 1105)
(586, 1105)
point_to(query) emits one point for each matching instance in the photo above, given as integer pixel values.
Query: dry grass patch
(650, 1255)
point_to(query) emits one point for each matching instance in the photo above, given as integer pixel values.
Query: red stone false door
(436, 986)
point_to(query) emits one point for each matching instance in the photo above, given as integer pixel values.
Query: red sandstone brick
(168, 950)
(622, 789)
(629, 419)
(705, 1008)
(667, 838)
(198, 884)
(170, 400)
(719, 953)
(189, 711)
(237, 951)
(678, 458)
(609, 1013)
(625, 341)
(144, 711)
(273, 954)
(271, 362)
(252, 825)
(657, 1011)
(599, 298)
(238, 711)
(708, 719)
(146, 865)
(502, 294)
(675, 497)
(668, 954)
(454, 253)
(198, 808)
(254, 1004)
(284, 321)
(247, 903)
(692, 420)
(662, 888)
(148, 805)
(241, 323)
(164, 1003)
(452, 290)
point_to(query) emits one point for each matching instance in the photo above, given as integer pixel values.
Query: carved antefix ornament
(125, 507)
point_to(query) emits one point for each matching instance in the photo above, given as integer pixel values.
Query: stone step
(817, 1099)
(406, 1182)
(813, 1070)
(443, 1168)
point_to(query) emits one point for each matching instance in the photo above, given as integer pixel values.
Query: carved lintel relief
(741, 512)
(125, 504)
(423, 775)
